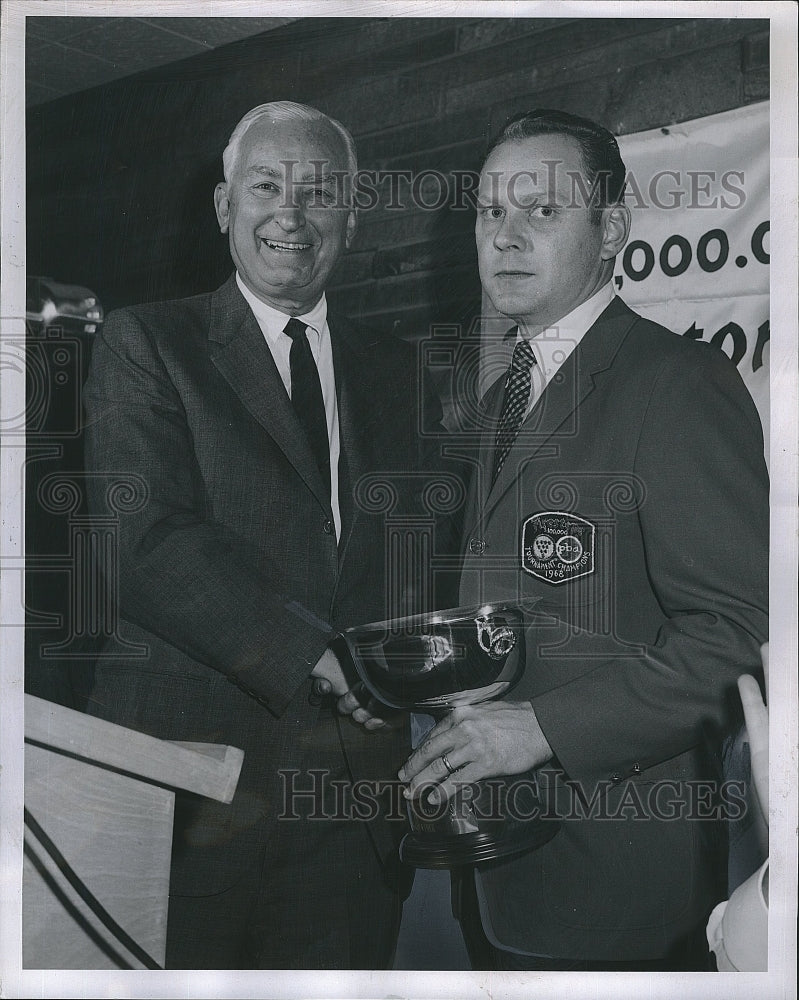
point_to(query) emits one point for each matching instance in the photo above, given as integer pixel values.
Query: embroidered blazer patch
(557, 547)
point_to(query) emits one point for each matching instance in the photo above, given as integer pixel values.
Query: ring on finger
(447, 765)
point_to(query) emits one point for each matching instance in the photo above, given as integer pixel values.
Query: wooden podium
(99, 806)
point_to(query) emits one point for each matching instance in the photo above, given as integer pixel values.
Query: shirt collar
(578, 322)
(272, 321)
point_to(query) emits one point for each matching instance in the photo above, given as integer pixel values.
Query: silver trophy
(430, 664)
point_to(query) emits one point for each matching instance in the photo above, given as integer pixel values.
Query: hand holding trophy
(433, 664)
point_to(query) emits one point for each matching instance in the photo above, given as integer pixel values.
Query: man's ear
(222, 206)
(352, 225)
(616, 223)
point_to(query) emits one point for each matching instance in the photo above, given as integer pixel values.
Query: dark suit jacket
(653, 442)
(229, 570)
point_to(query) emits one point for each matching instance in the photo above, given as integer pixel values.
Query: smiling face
(540, 254)
(283, 208)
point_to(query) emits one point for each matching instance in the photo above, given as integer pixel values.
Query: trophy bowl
(429, 664)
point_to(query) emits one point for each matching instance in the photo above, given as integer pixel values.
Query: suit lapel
(243, 358)
(492, 408)
(556, 405)
(355, 410)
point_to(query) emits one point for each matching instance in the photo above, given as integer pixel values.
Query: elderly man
(250, 414)
(622, 499)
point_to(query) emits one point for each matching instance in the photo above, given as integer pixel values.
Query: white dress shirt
(272, 323)
(554, 344)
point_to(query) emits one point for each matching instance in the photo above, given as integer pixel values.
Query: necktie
(517, 395)
(306, 396)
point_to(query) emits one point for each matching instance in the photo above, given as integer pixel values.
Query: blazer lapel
(482, 459)
(491, 407)
(556, 405)
(355, 412)
(243, 358)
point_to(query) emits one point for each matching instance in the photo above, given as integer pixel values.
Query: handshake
(353, 698)
(451, 666)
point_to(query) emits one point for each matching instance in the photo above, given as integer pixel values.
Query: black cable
(87, 896)
(58, 892)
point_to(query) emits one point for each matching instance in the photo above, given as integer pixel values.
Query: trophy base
(443, 850)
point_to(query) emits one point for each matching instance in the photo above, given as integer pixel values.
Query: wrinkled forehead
(539, 167)
(304, 150)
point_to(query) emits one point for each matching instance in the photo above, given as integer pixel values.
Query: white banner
(698, 256)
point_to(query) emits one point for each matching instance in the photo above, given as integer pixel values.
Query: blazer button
(477, 546)
(615, 777)
(636, 768)
(328, 527)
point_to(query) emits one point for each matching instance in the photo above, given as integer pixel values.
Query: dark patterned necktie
(306, 396)
(517, 395)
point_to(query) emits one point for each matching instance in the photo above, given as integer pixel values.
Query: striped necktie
(517, 395)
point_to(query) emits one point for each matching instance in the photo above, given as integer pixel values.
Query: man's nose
(508, 235)
(290, 217)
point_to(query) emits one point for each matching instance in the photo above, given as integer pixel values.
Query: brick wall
(120, 177)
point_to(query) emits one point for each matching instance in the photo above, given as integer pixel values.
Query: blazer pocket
(630, 868)
(164, 704)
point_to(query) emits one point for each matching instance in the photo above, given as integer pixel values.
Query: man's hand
(756, 715)
(480, 741)
(330, 679)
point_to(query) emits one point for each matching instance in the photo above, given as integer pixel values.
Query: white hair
(285, 111)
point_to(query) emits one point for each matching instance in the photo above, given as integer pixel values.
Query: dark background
(120, 176)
